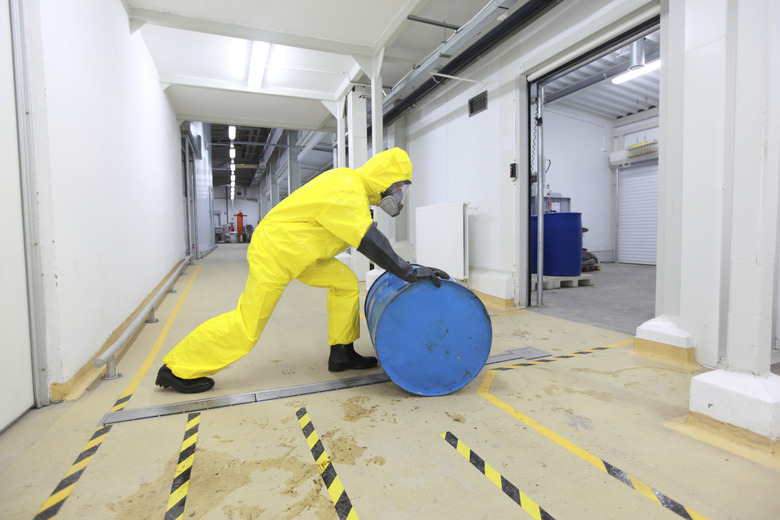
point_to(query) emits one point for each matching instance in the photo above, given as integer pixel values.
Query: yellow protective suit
(299, 238)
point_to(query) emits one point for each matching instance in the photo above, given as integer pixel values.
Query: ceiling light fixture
(232, 132)
(232, 153)
(257, 63)
(635, 73)
(232, 166)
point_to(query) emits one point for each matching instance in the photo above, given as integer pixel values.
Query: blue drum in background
(562, 244)
(430, 340)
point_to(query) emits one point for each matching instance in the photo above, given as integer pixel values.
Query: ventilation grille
(478, 103)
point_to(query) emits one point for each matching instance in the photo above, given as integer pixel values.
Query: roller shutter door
(638, 214)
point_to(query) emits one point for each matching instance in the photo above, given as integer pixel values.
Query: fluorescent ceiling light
(232, 153)
(635, 73)
(257, 63)
(232, 166)
(232, 132)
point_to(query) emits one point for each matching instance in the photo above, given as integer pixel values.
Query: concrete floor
(599, 434)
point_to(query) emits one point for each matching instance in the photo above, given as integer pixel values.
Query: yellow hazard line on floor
(181, 479)
(509, 489)
(506, 313)
(51, 507)
(644, 489)
(131, 388)
(332, 482)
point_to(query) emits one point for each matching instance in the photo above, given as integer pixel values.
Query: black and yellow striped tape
(332, 482)
(181, 480)
(51, 507)
(509, 489)
(53, 504)
(644, 489)
(584, 352)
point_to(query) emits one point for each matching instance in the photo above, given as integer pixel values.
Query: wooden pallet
(558, 282)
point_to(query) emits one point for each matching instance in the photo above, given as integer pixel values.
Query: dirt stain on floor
(216, 475)
(355, 409)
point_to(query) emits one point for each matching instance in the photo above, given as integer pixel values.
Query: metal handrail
(146, 315)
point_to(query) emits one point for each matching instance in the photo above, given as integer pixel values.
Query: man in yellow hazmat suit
(298, 239)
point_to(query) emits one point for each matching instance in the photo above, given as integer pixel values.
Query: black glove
(430, 273)
(376, 247)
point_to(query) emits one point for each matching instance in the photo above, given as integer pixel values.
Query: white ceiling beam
(167, 19)
(346, 85)
(248, 121)
(192, 81)
(396, 26)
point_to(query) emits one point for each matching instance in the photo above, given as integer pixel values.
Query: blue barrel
(562, 244)
(430, 341)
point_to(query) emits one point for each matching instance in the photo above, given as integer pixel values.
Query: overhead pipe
(516, 21)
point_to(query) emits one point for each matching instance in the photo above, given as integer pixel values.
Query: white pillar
(358, 155)
(358, 132)
(336, 108)
(744, 392)
(670, 328)
(293, 165)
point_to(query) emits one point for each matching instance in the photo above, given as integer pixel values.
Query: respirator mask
(393, 198)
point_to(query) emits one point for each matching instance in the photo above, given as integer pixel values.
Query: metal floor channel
(200, 405)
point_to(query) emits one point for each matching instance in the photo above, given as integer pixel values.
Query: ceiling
(318, 52)
(589, 88)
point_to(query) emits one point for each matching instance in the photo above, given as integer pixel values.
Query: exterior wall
(108, 166)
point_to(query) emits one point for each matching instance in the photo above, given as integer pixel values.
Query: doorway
(16, 370)
(594, 151)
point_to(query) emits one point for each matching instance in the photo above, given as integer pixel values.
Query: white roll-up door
(638, 214)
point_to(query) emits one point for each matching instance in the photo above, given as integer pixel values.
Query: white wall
(456, 158)
(109, 174)
(578, 146)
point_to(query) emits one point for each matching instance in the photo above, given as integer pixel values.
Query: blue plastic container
(562, 244)
(430, 341)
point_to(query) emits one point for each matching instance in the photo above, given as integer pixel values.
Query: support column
(293, 165)
(358, 133)
(274, 190)
(336, 108)
(358, 155)
(372, 66)
(665, 337)
(743, 392)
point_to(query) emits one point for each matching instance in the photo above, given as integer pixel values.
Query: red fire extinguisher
(240, 221)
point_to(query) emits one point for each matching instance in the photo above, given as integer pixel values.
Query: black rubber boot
(165, 379)
(343, 357)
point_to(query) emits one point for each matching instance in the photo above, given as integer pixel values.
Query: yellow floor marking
(644, 489)
(509, 312)
(131, 388)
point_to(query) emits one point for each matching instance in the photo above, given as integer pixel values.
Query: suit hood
(384, 169)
